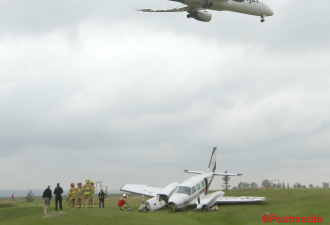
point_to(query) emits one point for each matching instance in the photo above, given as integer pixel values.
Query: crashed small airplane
(193, 191)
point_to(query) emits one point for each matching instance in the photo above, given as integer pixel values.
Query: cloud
(102, 89)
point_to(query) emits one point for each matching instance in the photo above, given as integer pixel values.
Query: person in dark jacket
(101, 198)
(47, 196)
(58, 196)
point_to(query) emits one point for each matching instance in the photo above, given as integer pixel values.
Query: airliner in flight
(197, 8)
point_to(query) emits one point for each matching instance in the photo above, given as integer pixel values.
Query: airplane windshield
(183, 190)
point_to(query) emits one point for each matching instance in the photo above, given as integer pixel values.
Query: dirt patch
(53, 214)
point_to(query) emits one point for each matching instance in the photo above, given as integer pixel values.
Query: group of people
(83, 195)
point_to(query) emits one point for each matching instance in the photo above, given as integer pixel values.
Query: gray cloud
(99, 87)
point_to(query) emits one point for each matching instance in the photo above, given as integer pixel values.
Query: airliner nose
(270, 12)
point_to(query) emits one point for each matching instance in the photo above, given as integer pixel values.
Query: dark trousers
(101, 200)
(58, 199)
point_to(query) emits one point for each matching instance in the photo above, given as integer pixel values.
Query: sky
(96, 90)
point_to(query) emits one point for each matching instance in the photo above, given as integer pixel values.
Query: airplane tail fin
(213, 161)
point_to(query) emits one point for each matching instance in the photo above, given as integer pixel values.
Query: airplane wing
(242, 199)
(177, 9)
(149, 191)
(141, 189)
(196, 172)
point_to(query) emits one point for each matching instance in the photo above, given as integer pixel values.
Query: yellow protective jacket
(93, 192)
(73, 193)
(80, 192)
(87, 189)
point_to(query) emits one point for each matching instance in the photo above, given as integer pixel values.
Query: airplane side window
(198, 186)
(186, 190)
(203, 184)
(239, 0)
(193, 189)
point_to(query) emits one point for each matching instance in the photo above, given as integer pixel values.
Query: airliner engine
(203, 16)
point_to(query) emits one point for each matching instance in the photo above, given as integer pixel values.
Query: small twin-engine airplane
(195, 8)
(193, 191)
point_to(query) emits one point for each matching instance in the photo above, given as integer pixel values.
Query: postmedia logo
(291, 219)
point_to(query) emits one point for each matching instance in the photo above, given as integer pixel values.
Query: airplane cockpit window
(193, 189)
(198, 186)
(183, 190)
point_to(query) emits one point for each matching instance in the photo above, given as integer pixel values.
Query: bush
(5, 204)
(30, 196)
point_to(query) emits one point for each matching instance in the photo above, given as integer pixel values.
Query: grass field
(281, 202)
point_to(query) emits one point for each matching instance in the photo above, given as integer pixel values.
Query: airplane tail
(213, 161)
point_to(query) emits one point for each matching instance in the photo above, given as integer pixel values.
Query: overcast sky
(94, 89)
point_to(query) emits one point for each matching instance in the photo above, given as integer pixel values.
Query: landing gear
(208, 4)
(191, 15)
(262, 19)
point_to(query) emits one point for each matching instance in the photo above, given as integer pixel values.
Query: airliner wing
(141, 189)
(242, 199)
(177, 9)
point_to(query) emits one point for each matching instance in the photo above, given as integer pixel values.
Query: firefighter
(72, 196)
(79, 195)
(93, 192)
(122, 203)
(87, 195)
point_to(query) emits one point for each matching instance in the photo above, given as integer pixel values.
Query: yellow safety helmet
(87, 180)
(92, 182)
(79, 182)
(125, 195)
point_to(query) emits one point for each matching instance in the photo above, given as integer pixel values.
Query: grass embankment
(281, 202)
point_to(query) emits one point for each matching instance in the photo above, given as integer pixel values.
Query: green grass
(281, 202)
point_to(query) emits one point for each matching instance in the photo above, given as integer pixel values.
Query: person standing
(87, 193)
(101, 198)
(79, 195)
(93, 192)
(47, 196)
(72, 196)
(58, 191)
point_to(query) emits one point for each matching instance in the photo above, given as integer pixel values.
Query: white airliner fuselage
(196, 8)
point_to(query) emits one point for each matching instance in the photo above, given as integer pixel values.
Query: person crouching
(122, 203)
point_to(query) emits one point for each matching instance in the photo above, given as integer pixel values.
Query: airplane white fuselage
(197, 187)
(250, 7)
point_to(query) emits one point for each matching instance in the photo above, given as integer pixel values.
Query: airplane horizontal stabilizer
(227, 174)
(196, 172)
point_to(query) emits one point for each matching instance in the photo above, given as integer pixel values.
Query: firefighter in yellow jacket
(72, 196)
(80, 194)
(87, 193)
(93, 192)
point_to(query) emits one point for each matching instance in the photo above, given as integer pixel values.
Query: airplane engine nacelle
(203, 16)
(154, 203)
